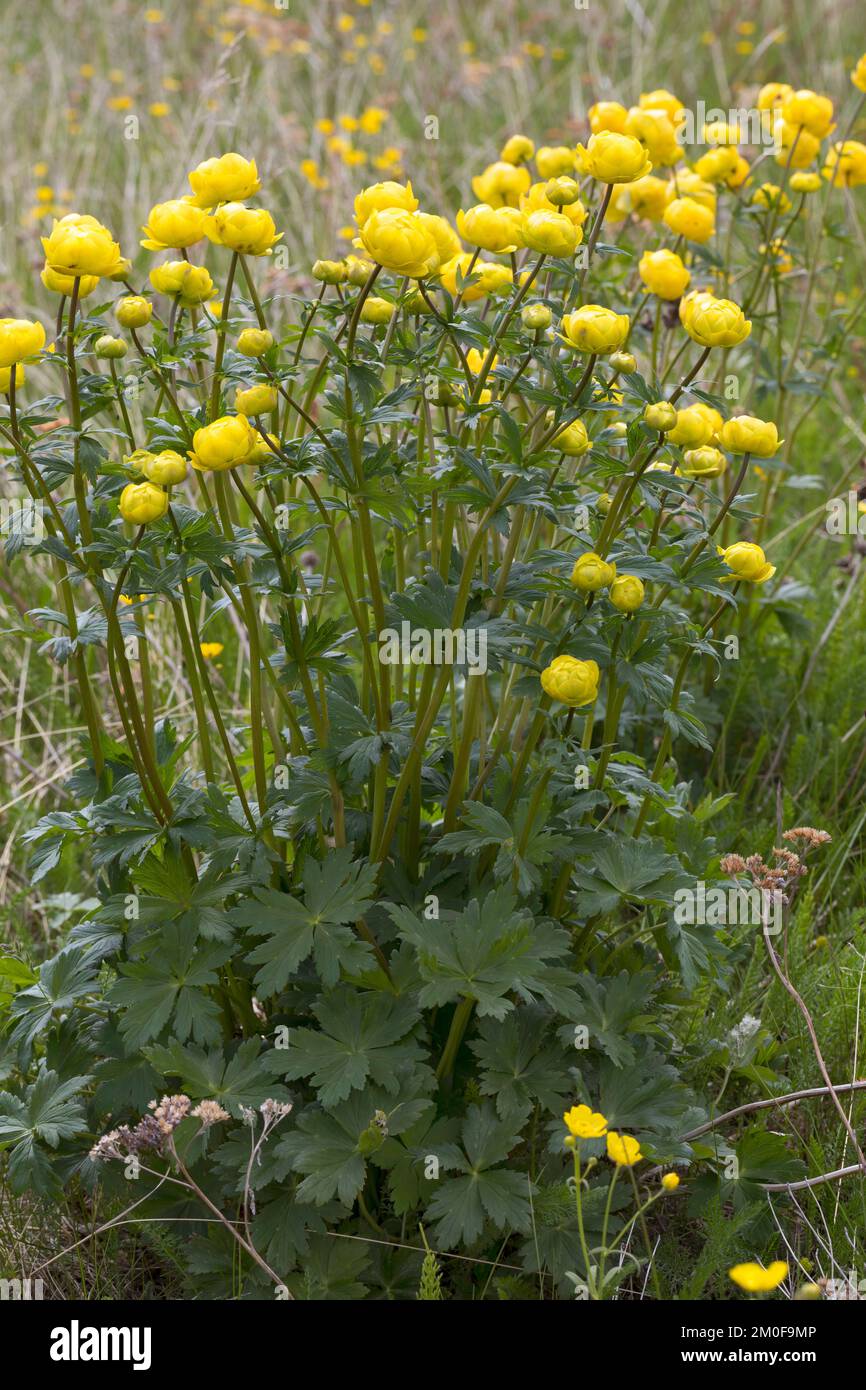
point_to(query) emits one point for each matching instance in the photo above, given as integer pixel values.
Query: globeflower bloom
(570, 681)
(613, 157)
(387, 194)
(448, 243)
(133, 311)
(249, 231)
(493, 229)
(79, 245)
(376, 310)
(661, 415)
(655, 131)
(670, 1182)
(228, 179)
(717, 323)
(808, 109)
(690, 219)
(858, 76)
(501, 184)
(626, 593)
(190, 283)
(664, 274)
(142, 502)
(845, 164)
(796, 147)
(706, 462)
(583, 1123)
(553, 160)
(178, 223)
(65, 284)
(607, 115)
(399, 241)
(623, 1149)
(662, 100)
(747, 561)
(165, 468)
(753, 1278)
(692, 429)
(256, 400)
(223, 444)
(550, 233)
(746, 434)
(591, 573)
(254, 342)
(592, 328)
(646, 197)
(517, 149)
(19, 338)
(573, 440)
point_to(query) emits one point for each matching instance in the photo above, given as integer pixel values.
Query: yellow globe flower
(858, 76)
(573, 440)
(805, 181)
(79, 245)
(753, 1278)
(706, 462)
(712, 417)
(688, 184)
(255, 342)
(721, 133)
(249, 231)
(583, 1123)
(142, 502)
(662, 100)
(230, 178)
(387, 194)
(692, 429)
(626, 593)
(670, 1182)
(747, 561)
(329, 272)
(223, 444)
(591, 573)
(493, 278)
(717, 165)
(571, 682)
(6, 377)
(107, 346)
(501, 184)
(845, 165)
(550, 233)
(661, 416)
(772, 94)
(448, 277)
(689, 302)
(607, 115)
(562, 191)
(376, 310)
(655, 131)
(717, 323)
(808, 109)
(19, 339)
(448, 243)
(133, 311)
(536, 316)
(622, 1149)
(493, 229)
(664, 274)
(690, 219)
(65, 284)
(165, 468)
(178, 223)
(399, 241)
(739, 173)
(796, 147)
(190, 283)
(746, 434)
(553, 160)
(770, 195)
(592, 328)
(536, 200)
(259, 399)
(613, 158)
(647, 197)
(517, 149)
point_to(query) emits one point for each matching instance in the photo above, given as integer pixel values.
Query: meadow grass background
(187, 80)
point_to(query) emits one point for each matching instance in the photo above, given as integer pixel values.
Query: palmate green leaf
(50, 1112)
(484, 826)
(171, 986)
(623, 870)
(237, 1078)
(648, 1096)
(166, 893)
(362, 1036)
(520, 1067)
(336, 891)
(332, 1270)
(487, 953)
(406, 1158)
(611, 1008)
(462, 1206)
(64, 979)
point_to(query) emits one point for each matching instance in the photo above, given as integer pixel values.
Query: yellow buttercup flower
(256, 400)
(501, 184)
(622, 1149)
(607, 115)
(670, 1182)
(664, 274)
(573, 440)
(808, 109)
(387, 194)
(191, 283)
(553, 160)
(255, 342)
(210, 650)
(550, 233)
(230, 178)
(79, 245)
(178, 223)
(517, 150)
(583, 1123)
(692, 429)
(133, 311)
(249, 231)
(65, 284)
(845, 165)
(592, 328)
(613, 157)
(493, 229)
(747, 561)
(705, 462)
(399, 241)
(570, 681)
(591, 573)
(690, 219)
(165, 468)
(142, 502)
(19, 339)
(717, 322)
(746, 434)
(223, 444)
(755, 1279)
(626, 593)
